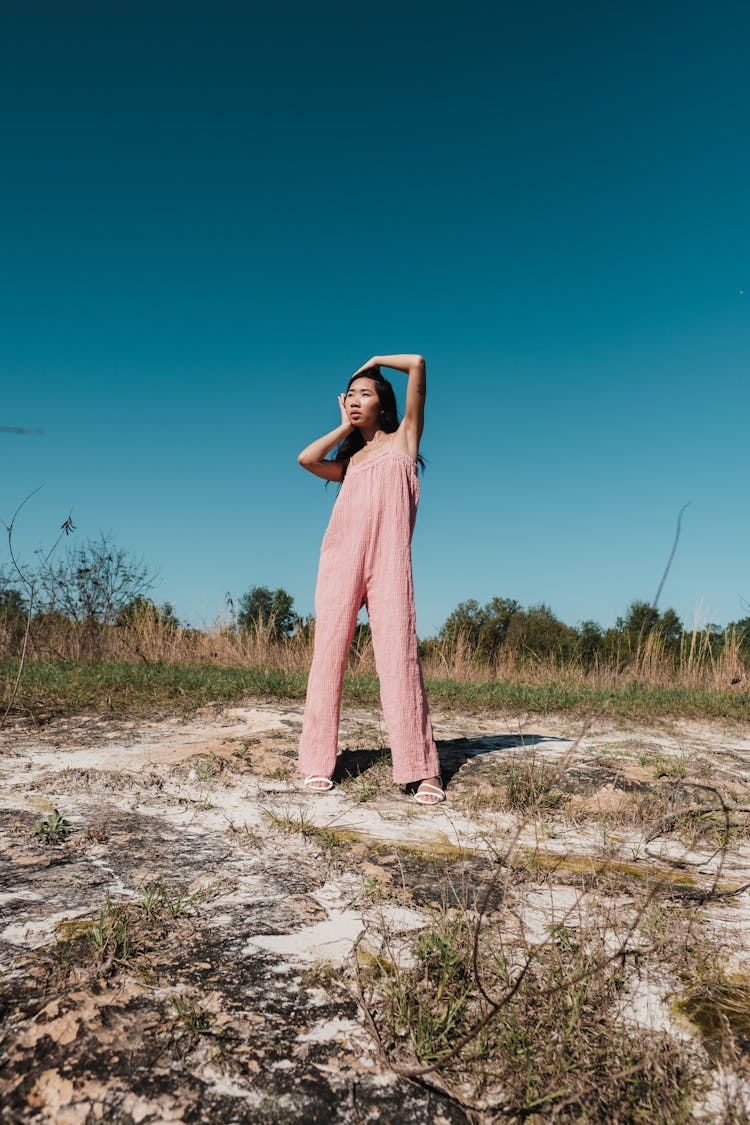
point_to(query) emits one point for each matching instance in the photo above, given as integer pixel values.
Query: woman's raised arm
(416, 388)
(313, 456)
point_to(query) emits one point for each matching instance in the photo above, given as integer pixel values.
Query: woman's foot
(318, 784)
(430, 791)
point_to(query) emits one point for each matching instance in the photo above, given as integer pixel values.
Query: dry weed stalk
(627, 948)
(30, 581)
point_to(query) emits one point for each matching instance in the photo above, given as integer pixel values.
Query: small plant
(178, 901)
(565, 938)
(53, 828)
(675, 767)
(664, 765)
(327, 839)
(206, 768)
(158, 900)
(194, 1020)
(123, 929)
(290, 823)
(251, 835)
(530, 785)
(110, 934)
(97, 833)
(151, 900)
(441, 952)
(362, 787)
(717, 1002)
(371, 889)
(429, 1007)
(723, 829)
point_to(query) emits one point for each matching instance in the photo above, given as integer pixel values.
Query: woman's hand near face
(313, 457)
(344, 416)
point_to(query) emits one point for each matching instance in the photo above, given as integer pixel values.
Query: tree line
(98, 585)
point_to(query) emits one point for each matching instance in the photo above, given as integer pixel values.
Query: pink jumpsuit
(365, 559)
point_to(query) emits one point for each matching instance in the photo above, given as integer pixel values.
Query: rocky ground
(177, 942)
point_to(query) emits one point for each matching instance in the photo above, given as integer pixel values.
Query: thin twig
(670, 560)
(30, 583)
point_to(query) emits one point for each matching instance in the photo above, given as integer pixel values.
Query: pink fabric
(365, 559)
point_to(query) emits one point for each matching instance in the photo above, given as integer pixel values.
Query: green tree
(741, 630)
(12, 603)
(670, 628)
(262, 607)
(141, 606)
(12, 618)
(589, 642)
(640, 619)
(537, 632)
(483, 627)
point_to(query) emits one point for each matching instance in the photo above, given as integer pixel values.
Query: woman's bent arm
(313, 456)
(416, 390)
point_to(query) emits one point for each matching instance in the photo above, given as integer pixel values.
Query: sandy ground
(240, 1006)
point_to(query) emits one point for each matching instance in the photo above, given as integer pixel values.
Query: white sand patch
(20, 896)
(397, 919)
(646, 1004)
(729, 1094)
(32, 934)
(331, 940)
(548, 907)
(348, 1031)
(317, 996)
(165, 742)
(228, 1086)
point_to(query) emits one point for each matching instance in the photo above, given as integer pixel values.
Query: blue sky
(211, 214)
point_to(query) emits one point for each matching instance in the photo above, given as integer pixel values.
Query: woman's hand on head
(370, 368)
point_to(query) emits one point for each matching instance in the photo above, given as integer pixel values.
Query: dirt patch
(178, 916)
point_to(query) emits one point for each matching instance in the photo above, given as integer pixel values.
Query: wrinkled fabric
(365, 559)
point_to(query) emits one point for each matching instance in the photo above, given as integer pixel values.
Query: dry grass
(519, 1016)
(695, 665)
(557, 1042)
(150, 640)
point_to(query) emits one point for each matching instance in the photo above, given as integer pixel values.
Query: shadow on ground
(453, 753)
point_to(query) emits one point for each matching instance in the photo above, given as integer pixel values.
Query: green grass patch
(67, 687)
(634, 700)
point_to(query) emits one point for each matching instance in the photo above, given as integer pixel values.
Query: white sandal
(318, 788)
(425, 787)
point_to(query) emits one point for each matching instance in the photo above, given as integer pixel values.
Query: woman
(365, 560)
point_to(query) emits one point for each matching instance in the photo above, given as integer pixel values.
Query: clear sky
(212, 213)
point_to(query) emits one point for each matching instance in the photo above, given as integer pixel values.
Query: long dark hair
(389, 420)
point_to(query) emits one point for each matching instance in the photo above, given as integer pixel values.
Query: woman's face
(362, 403)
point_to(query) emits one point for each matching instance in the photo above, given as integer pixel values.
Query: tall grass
(697, 664)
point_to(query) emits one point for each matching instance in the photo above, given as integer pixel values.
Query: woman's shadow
(453, 753)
